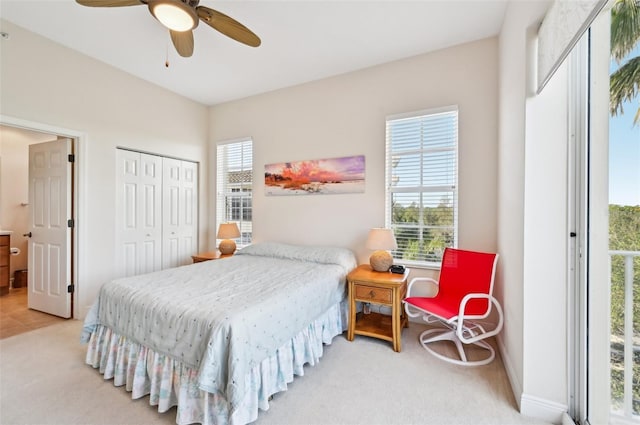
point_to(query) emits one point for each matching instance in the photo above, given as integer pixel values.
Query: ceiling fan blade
(183, 42)
(228, 26)
(109, 3)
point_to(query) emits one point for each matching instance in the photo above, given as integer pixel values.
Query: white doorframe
(589, 296)
(599, 386)
(79, 191)
(577, 208)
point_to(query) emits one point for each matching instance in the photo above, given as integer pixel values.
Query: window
(422, 184)
(234, 186)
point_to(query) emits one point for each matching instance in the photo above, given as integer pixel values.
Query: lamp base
(227, 247)
(381, 261)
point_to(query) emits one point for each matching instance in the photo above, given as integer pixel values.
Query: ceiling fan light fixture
(174, 14)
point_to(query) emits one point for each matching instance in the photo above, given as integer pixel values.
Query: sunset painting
(320, 176)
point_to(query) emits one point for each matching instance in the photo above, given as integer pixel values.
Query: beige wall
(510, 231)
(45, 83)
(345, 115)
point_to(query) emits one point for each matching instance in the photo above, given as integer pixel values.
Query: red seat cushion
(462, 273)
(433, 306)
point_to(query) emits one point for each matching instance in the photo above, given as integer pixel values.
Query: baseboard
(567, 420)
(543, 409)
(516, 385)
(528, 405)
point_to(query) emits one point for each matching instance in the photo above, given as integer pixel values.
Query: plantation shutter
(421, 179)
(234, 186)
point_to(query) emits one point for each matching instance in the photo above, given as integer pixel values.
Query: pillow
(314, 254)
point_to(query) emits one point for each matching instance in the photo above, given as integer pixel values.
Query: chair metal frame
(461, 328)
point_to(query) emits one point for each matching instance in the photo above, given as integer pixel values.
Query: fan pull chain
(166, 62)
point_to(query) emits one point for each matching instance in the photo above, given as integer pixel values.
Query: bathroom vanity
(5, 239)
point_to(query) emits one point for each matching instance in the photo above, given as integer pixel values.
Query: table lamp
(228, 231)
(382, 240)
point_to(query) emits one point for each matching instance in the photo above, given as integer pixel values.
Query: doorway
(16, 136)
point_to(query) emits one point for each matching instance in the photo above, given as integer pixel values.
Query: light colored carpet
(44, 380)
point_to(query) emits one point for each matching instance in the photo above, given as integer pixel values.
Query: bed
(218, 338)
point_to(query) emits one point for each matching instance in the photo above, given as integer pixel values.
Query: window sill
(417, 265)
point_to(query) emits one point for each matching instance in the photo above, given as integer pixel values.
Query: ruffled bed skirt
(170, 383)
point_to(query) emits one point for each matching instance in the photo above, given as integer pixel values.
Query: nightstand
(382, 288)
(206, 256)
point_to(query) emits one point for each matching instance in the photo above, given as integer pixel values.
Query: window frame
(228, 195)
(421, 188)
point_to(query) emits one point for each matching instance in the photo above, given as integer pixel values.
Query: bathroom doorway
(15, 142)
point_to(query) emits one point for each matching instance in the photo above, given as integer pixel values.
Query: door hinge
(71, 223)
(71, 157)
(70, 288)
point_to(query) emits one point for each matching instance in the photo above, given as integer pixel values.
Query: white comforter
(223, 317)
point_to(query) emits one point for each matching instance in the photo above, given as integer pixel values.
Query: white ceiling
(302, 40)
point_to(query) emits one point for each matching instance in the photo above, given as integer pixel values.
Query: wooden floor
(17, 318)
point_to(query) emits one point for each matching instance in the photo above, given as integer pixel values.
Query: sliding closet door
(139, 213)
(180, 188)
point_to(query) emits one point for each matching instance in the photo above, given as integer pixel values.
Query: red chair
(464, 300)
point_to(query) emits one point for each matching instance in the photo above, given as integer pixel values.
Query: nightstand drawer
(370, 293)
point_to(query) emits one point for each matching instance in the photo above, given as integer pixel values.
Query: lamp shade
(228, 231)
(380, 238)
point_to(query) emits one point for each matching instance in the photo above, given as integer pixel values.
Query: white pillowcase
(316, 254)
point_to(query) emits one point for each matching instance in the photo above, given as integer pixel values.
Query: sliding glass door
(605, 213)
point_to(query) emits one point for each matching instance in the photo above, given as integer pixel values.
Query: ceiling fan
(181, 17)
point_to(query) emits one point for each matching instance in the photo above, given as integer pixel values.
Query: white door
(50, 194)
(180, 206)
(139, 219)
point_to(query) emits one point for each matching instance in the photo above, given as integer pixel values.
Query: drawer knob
(372, 294)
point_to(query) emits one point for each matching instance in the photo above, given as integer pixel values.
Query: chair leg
(434, 335)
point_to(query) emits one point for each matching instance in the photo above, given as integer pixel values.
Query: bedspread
(221, 317)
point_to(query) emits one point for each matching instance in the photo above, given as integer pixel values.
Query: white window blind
(422, 184)
(235, 186)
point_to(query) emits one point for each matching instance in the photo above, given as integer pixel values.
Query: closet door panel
(128, 171)
(150, 201)
(138, 207)
(171, 212)
(189, 225)
(179, 186)
(129, 258)
(171, 257)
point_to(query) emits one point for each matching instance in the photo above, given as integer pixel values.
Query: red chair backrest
(464, 272)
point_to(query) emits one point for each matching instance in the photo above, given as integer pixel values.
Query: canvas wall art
(319, 176)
